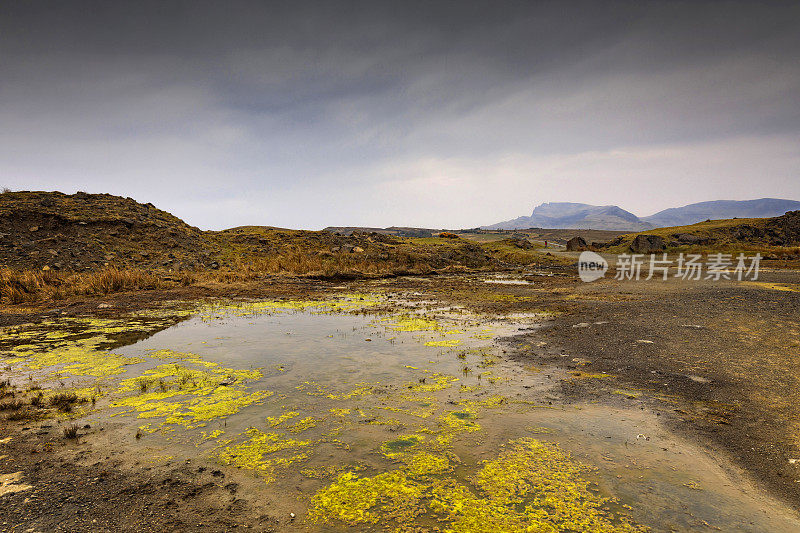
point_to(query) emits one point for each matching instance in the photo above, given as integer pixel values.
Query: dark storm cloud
(307, 114)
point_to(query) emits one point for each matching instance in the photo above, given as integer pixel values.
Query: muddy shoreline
(707, 378)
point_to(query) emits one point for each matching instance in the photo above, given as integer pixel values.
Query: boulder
(577, 244)
(688, 238)
(647, 244)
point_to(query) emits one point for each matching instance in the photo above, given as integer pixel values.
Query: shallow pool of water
(404, 420)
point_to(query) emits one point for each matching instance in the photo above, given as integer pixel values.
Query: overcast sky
(435, 114)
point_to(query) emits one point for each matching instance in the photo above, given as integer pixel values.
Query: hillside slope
(722, 209)
(775, 234)
(85, 231)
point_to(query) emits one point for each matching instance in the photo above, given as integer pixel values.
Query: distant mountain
(568, 215)
(719, 209)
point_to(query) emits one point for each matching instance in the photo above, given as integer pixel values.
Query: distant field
(558, 236)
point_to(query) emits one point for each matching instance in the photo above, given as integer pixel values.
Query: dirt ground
(718, 361)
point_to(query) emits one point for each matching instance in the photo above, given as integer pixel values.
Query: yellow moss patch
(275, 421)
(302, 425)
(352, 499)
(79, 358)
(531, 486)
(257, 453)
(773, 286)
(409, 323)
(342, 304)
(432, 383)
(450, 343)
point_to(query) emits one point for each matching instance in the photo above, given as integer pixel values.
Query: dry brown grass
(18, 286)
(297, 261)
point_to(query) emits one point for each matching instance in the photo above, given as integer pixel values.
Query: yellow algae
(343, 304)
(434, 382)
(628, 393)
(450, 343)
(256, 453)
(275, 421)
(79, 358)
(339, 412)
(491, 402)
(315, 389)
(423, 463)
(302, 425)
(531, 486)
(217, 433)
(357, 392)
(421, 410)
(462, 420)
(409, 323)
(773, 286)
(195, 396)
(323, 472)
(352, 499)
(220, 403)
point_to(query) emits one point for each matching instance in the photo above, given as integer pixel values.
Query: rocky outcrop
(577, 244)
(647, 244)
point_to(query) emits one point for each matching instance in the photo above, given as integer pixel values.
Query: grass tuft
(71, 432)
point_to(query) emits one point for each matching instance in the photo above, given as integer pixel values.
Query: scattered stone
(577, 244)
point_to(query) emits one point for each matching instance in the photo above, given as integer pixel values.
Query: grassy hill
(778, 235)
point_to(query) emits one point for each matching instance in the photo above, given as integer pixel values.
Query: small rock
(34, 228)
(104, 306)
